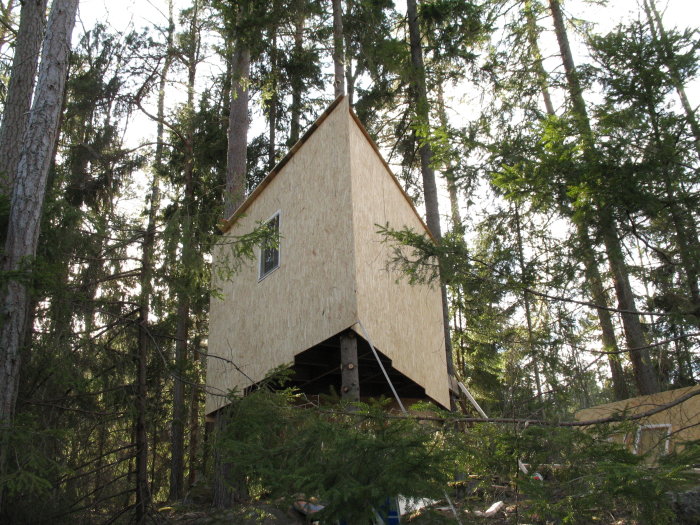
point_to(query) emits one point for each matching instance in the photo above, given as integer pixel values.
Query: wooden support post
(350, 388)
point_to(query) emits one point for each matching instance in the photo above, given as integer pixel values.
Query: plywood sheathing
(403, 321)
(684, 418)
(278, 324)
(226, 224)
(332, 189)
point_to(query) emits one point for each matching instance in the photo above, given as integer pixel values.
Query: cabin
(661, 431)
(328, 280)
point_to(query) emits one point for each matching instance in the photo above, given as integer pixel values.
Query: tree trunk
(526, 300)
(195, 405)
(590, 264)
(143, 493)
(28, 198)
(540, 73)
(350, 76)
(274, 97)
(448, 170)
(338, 69)
(228, 491)
(229, 488)
(177, 465)
(19, 91)
(683, 224)
(296, 83)
(237, 131)
(432, 210)
(661, 39)
(645, 377)
(600, 298)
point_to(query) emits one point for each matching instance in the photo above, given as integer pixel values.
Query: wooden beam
(350, 387)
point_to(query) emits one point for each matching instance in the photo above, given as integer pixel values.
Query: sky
(123, 14)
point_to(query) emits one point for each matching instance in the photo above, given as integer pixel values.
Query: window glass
(270, 254)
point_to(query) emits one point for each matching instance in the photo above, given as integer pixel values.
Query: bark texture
(237, 157)
(338, 62)
(432, 209)
(28, 194)
(19, 91)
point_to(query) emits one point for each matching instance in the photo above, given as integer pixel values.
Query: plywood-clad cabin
(658, 433)
(326, 197)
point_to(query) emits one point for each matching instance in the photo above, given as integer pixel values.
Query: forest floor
(512, 511)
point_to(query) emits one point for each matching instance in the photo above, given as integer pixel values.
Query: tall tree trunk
(432, 210)
(338, 58)
(645, 377)
(683, 224)
(195, 405)
(19, 91)
(600, 298)
(272, 101)
(540, 73)
(237, 130)
(182, 328)
(661, 38)
(590, 264)
(28, 198)
(532, 351)
(227, 492)
(143, 493)
(448, 171)
(296, 82)
(350, 76)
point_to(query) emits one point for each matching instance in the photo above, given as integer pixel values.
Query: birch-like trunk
(28, 199)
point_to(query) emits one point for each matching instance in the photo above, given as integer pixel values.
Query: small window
(652, 440)
(270, 253)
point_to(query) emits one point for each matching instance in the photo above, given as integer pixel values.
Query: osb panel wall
(684, 418)
(310, 297)
(403, 321)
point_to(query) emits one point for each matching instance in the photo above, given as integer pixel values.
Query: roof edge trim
(225, 224)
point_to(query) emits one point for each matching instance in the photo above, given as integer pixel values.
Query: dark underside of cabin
(316, 372)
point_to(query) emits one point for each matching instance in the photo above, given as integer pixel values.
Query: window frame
(654, 426)
(261, 256)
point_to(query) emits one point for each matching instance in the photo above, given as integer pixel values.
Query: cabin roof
(226, 224)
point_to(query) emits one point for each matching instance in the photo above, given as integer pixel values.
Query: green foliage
(351, 457)
(233, 251)
(586, 475)
(30, 468)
